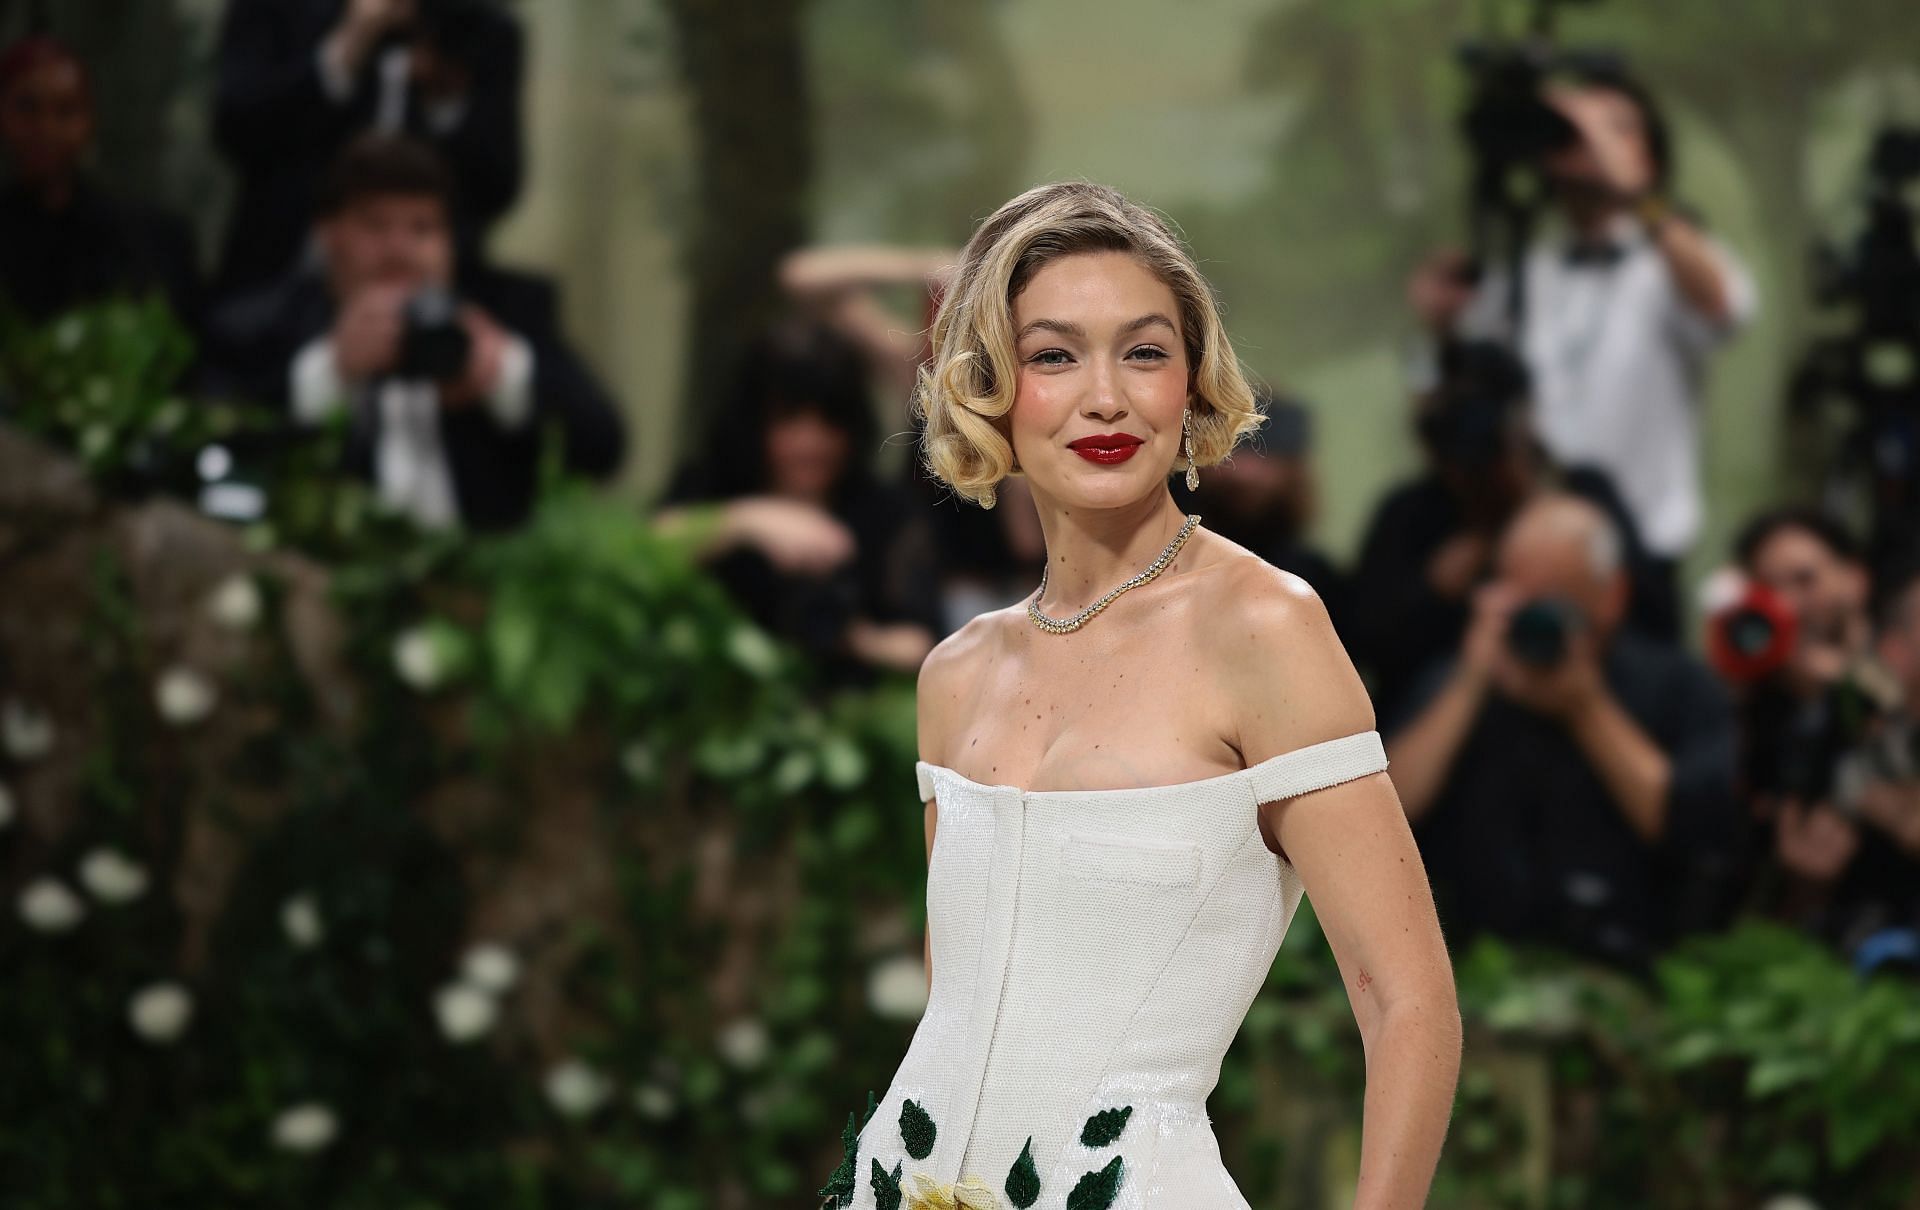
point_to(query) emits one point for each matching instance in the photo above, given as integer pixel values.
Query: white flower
(300, 920)
(159, 1012)
(305, 1127)
(27, 731)
(235, 602)
(575, 1089)
(184, 696)
(48, 905)
(416, 657)
(490, 967)
(744, 1043)
(112, 877)
(6, 806)
(654, 1102)
(466, 1012)
(897, 987)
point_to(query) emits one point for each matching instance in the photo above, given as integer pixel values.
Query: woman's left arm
(1351, 845)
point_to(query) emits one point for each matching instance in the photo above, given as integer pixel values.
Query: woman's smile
(1107, 449)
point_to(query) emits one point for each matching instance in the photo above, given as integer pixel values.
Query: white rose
(300, 920)
(490, 967)
(306, 1127)
(112, 877)
(654, 1102)
(184, 696)
(160, 1012)
(6, 806)
(744, 1043)
(235, 602)
(26, 731)
(466, 1012)
(575, 1089)
(416, 659)
(48, 905)
(897, 987)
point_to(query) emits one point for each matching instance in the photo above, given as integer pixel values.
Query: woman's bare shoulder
(949, 675)
(1283, 667)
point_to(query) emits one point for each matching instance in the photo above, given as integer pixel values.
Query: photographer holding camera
(1431, 540)
(1829, 767)
(299, 79)
(447, 373)
(1570, 781)
(1619, 309)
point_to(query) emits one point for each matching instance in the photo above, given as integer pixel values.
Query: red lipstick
(1107, 449)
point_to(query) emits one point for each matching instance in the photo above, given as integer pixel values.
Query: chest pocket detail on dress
(1120, 859)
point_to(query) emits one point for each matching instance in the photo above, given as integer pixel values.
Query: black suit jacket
(276, 123)
(254, 338)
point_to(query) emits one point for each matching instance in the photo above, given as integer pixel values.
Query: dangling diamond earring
(988, 500)
(1186, 424)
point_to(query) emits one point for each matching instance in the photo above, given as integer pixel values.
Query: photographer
(446, 394)
(1828, 768)
(1431, 541)
(299, 79)
(1569, 781)
(1621, 307)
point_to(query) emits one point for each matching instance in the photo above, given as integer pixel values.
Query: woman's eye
(1150, 353)
(1046, 357)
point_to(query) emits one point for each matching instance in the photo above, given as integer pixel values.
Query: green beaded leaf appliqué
(916, 1130)
(1096, 1190)
(1023, 1181)
(1104, 1127)
(886, 1187)
(838, 1191)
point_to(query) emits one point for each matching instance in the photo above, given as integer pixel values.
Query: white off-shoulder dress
(1094, 953)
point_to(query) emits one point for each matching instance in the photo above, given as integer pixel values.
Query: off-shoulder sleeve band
(1318, 766)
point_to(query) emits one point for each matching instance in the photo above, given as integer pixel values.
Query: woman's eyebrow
(1067, 327)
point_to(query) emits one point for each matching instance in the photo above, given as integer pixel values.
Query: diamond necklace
(1065, 625)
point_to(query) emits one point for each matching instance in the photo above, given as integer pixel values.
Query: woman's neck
(1091, 551)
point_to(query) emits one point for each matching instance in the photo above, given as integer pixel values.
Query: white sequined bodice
(1092, 950)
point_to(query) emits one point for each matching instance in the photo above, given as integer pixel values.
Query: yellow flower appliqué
(971, 1193)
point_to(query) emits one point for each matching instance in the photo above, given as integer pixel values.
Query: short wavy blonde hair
(968, 382)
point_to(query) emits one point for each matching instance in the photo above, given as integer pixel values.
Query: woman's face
(1103, 380)
(806, 455)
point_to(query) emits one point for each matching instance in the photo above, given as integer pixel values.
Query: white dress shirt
(411, 473)
(1618, 354)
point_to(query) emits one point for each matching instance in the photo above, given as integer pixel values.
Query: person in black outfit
(1264, 498)
(65, 240)
(1431, 541)
(455, 441)
(299, 79)
(809, 541)
(1569, 781)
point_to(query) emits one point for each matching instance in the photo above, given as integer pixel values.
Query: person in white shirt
(453, 438)
(1623, 302)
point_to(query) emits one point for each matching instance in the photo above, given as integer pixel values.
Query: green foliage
(916, 1130)
(1023, 1179)
(1104, 1127)
(1097, 1189)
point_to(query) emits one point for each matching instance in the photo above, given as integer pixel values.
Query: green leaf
(886, 1187)
(1023, 1181)
(916, 1130)
(1104, 1127)
(1096, 1190)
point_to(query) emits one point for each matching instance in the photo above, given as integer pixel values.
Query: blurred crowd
(1576, 775)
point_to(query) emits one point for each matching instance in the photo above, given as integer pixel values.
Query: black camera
(434, 344)
(1537, 633)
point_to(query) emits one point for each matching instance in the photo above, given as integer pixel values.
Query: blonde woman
(1132, 776)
